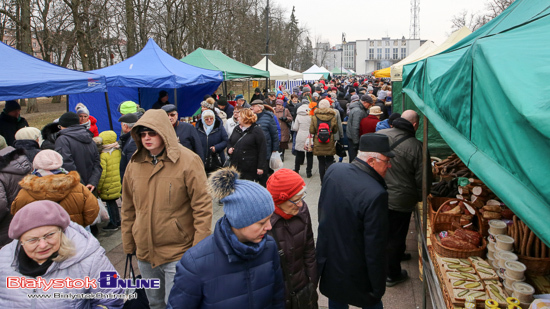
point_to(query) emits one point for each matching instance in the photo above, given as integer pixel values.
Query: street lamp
(342, 54)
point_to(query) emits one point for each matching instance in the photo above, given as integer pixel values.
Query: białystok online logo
(107, 280)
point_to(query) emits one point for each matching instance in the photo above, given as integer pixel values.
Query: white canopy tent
(277, 72)
(426, 50)
(315, 73)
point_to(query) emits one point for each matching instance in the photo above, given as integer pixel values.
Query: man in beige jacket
(166, 209)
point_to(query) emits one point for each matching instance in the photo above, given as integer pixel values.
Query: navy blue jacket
(228, 110)
(128, 147)
(188, 137)
(79, 153)
(216, 138)
(352, 234)
(213, 275)
(269, 126)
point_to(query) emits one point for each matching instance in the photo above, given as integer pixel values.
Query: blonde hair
(66, 249)
(248, 116)
(384, 87)
(210, 100)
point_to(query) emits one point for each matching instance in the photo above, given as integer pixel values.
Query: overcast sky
(363, 19)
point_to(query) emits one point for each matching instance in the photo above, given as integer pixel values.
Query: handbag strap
(399, 141)
(284, 265)
(245, 133)
(129, 267)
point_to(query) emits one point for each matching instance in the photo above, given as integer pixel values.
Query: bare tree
(475, 20)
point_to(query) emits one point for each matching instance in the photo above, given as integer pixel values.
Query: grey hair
(130, 125)
(261, 105)
(365, 155)
(66, 249)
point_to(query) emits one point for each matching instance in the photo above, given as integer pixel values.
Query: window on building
(403, 52)
(403, 43)
(379, 53)
(379, 43)
(387, 43)
(395, 43)
(387, 53)
(396, 53)
(379, 66)
(371, 53)
(371, 43)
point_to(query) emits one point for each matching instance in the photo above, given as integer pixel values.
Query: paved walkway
(407, 295)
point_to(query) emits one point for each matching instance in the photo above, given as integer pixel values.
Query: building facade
(376, 54)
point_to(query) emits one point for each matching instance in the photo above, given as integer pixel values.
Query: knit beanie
(37, 214)
(11, 105)
(128, 107)
(244, 202)
(28, 133)
(279, 102)
(284, 184)
(47, 160)
(69, 119)
(239, 97)
(324, 104)
(82, 109)
(207, 105)
(354, 98)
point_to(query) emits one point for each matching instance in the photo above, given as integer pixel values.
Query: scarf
(208, 128)
(110, 147)
(40, 172)
(87, 124)
(245, 251)
(29, 267)
(281, 213)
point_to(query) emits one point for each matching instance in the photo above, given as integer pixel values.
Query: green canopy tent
(218, 61)
(476, 94)
(340, 71)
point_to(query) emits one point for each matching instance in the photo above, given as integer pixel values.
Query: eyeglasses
(208, 118)
(150, 133)
(173, 114)
(387, 161)
(35, 241)
(300, 200)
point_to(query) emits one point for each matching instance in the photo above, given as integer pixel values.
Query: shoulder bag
(227, 162)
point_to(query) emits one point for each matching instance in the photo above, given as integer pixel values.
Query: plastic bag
(103, 215)
(275, 161)
(308, 146)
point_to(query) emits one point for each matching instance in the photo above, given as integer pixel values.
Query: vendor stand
(474, 95)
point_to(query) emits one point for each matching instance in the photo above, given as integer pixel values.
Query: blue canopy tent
(141, 77)
(24, 76)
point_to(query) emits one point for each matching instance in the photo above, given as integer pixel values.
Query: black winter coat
(128, 147)
(79, 154)
(295, 237)
(216, 138)
(49, 135)
(188, 137)
(351, 243)
(9, 126)
(249, 153)
(31, 148)
(14, 165)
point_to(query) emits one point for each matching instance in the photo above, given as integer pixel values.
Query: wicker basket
(438, 226)
(535, 266)
(435, 203)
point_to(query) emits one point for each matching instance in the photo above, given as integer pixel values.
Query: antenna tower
(414, 29)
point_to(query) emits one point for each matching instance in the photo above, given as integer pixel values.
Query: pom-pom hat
(244, 202)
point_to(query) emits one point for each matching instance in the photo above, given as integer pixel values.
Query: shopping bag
(308, 146)
(275, 161)
(141, 302)
(103, 214)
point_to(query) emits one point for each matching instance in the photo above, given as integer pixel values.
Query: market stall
(141, 77)
(475, 97)
(277, 72)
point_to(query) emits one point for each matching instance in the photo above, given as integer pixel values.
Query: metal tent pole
(108, 110)
(425, 160)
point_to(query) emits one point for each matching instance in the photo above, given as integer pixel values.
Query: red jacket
(368, 124)
(93, 127)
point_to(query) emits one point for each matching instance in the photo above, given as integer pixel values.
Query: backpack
(323, 131)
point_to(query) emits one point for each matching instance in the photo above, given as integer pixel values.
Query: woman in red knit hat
(292, 231)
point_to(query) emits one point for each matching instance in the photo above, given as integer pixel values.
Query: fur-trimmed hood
(50, 187)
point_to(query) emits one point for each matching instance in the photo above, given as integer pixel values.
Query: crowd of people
(166, 174)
